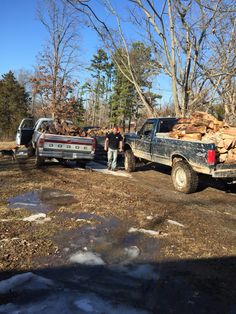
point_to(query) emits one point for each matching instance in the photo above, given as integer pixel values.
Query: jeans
(112, 158)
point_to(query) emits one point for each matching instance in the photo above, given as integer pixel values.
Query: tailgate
(71, 147)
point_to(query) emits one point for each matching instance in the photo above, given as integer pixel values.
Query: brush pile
(206, 128)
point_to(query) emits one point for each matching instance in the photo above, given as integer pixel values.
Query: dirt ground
(191, 244)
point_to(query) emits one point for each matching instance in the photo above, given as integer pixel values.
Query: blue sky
(23, 36)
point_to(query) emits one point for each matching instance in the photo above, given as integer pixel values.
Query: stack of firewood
(61, 127)
(98, 132)
(204, 127)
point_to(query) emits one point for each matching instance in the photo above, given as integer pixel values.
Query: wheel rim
(180, 178)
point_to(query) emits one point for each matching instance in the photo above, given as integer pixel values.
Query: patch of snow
(132, 252)
(145, 231)
(145, 271)
(42, 221)
(95, 166)
(38, 218)
(70, 302)
(83, 220)
(25, 281)
(85, 304)
(96, 305)
(86, 258)
(176, 223)
(21, 204)
(35, 217)
(79, 168)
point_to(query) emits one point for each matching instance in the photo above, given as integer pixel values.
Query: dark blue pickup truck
(187, 158)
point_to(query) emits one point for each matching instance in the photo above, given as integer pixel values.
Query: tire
(184, 178)
(39, 161)
(129, 161)
(31, 150)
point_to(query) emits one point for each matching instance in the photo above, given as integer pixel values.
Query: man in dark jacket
(113, 143)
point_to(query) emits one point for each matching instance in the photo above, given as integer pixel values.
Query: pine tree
(102, 69)
(126, 104)
(14, 104)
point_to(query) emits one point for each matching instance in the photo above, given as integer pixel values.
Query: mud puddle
(43, 200)
(110, 239)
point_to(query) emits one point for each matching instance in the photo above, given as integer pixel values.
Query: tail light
(94, 143)
(211, 157)
(41, 141)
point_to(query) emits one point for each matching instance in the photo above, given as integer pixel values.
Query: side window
(146, 130)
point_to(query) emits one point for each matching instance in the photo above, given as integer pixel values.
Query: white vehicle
(61, 147)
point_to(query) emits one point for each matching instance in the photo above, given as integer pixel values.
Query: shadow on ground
(186, 286)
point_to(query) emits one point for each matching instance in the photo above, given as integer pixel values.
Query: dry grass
(7, 145)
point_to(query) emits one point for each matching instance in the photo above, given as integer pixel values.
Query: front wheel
(129, 161)
(184, 178)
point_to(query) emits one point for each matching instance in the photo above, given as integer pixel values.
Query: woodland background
(190, 42)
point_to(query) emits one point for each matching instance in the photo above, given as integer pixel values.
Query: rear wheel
(184, 178)
(129, 161)
(39, 161)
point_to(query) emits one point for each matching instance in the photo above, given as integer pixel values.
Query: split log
(203, 116)
(192, 137)
(231, 157)
(222, 150)
(178, 127)
(196, 129)
(230, 131)
(184, 121)
(228, 143)
(223, 157)
(174, 135)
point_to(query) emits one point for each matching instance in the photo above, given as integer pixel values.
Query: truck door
(143, 143)
(161, 148)
(25, 132)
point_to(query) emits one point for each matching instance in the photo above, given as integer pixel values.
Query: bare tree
(220, 70)
(53, 79)
(181, 33)
(177, 31)
(116, 43)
